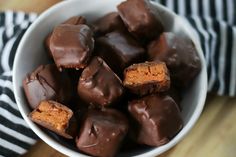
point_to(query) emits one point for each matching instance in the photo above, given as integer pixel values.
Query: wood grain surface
(214, 135)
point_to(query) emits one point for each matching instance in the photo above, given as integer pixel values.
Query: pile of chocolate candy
(117, 80)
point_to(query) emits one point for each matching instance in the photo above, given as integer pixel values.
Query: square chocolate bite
(102, 132)
(159, 119)
(55, 117)
(180, 56)
(140, 19)
(108, 23)
(47, 83)
(120, 50)
(71, 45)
(99, 85)
(147, 78)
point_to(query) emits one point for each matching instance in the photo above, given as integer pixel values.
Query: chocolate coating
(75, 20)
(108, 23)
(120, 50)
(102, 133)
(159, 119)
(141, 21)
(71, 46)
(45, 83)
(99, 85)
(180, 56)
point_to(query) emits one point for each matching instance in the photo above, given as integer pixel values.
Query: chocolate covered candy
(180, 56)
(99, 85)
(71, 46)
(108, 23)
(45, 83)
(55, 117)
(75, 20)
(102, 132)
(120, 50)
(140, 19)
(159, 119)
(147, 78)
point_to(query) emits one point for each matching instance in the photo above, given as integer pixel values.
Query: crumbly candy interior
(52, 115)
(146, 73)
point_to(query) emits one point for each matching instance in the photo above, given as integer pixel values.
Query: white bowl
(31, 54)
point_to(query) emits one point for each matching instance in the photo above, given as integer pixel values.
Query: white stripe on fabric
(8, 18)
(212, 75)
(170, 4)
(181, 6)
(7, 73)
(6, 83)
(11, 117)
(32, 17)
(230, 10)
(219, 10)
(20, 17)
(11, 146)
(17, 135)
(194, 7)
(206, 10)
(221, 61)
(9, 31)
(233, 66)
(5, 54)
(206, 37)
(7, 99)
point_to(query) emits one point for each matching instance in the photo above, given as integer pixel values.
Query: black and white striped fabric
(214, 21)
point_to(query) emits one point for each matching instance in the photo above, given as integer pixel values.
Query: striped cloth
(213, 20)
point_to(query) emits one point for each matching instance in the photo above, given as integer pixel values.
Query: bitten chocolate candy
(102, 132)
(45, 83)
(180, 56)
(146, 78)
(98, 84)
(108, 23)
(141, 21)
(71, 46)
(159, 119)
(55, 117)
(120, 50)
(75, 20)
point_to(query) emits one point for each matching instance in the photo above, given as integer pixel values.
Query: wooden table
(214, 135)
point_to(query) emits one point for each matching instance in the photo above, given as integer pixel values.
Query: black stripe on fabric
(200, 8)
(1, 69)
(7, 152)
(7, 91)
(13, 140)
(234, 12)
(188, 7)
(163, 2)
(216, 27)
(224, 9)
(4, 38)
(176, 9)
(202, 39)
(17, 127)
(228, 67)
(212, 8)
(10, 109)
(3, 77)
(2, 19)
(209, 68)
(14, 47)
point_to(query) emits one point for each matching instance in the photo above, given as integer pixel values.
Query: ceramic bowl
(31, 53)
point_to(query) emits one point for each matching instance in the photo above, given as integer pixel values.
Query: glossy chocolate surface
(159, 119)
(99, 85)
(180, 56)
(71, 46)
(102, 132)
(45, 83)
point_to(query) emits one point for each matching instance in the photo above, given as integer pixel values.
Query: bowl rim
(156, 151)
